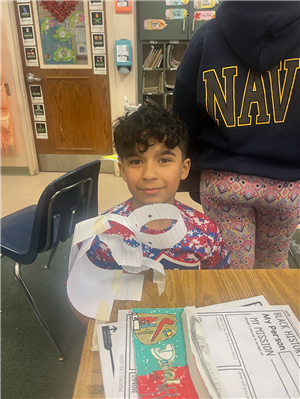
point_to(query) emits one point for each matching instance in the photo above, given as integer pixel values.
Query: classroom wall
(118, 26)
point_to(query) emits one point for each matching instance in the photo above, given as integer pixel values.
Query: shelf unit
(158, 83)
(160, 24)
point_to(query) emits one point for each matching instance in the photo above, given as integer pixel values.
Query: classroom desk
(188, 288)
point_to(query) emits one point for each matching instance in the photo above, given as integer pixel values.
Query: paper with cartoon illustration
(160, 354)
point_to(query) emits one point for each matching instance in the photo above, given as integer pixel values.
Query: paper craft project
(204, 15)
(172, 356)
(176, 13)
(205, 3)
(154, 24)
(85, 285)
(176, 2)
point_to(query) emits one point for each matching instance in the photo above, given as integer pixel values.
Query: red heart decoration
(59, 11)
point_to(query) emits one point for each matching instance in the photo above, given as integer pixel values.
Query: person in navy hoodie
(237, 90)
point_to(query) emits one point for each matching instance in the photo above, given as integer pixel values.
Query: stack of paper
(254, 346)
(171, 62)
(153, 89)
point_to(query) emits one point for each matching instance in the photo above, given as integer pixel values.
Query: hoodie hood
(260, 33)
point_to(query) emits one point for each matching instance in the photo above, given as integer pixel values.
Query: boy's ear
(121, 167)
(186, 165)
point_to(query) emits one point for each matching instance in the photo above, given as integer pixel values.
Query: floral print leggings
(256, 216)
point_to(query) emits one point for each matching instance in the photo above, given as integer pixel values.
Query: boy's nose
(149, 172)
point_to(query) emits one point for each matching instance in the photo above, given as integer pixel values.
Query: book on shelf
(149, 56)
(153, 64)
(158, 63)
(153, 59)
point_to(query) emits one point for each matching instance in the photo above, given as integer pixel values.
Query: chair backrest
(66, 201)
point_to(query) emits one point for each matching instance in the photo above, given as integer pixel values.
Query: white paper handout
(85, 285)
(256, 350)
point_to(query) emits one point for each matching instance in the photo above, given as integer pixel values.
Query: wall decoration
(205, 3)
(176, 13)
(39, 112)
(59, 11)
(97, 21)
(96, 5)
(41, 130)
(99, 64)
(36, 94)
(25, 14)
(98, 43)
(28, 35)
(154, 24)
(62, 34)
(204, 15)
(31, 56)
(176, 2)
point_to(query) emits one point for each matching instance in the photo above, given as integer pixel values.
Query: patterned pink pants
(256, 216)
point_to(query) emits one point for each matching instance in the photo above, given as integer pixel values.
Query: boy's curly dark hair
(145, 126)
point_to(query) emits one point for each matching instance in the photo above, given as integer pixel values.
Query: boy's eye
(135, 162)
(165, 160)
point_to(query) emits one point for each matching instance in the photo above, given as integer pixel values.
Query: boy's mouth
(150, 190)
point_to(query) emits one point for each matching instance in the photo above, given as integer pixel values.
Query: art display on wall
(63, 32)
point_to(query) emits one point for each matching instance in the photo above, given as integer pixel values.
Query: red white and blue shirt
(201, 248)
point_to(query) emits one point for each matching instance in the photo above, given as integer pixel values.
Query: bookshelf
(158, 62)
(164, 31)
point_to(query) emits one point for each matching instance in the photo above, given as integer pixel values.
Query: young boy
(151, 143)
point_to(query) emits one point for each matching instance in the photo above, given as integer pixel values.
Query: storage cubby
(157, 79)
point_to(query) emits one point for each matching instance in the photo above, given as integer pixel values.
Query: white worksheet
(256, 350)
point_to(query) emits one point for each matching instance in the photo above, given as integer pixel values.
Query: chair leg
(52, 253)
(35, 308)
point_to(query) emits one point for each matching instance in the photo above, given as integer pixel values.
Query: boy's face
(153, 176)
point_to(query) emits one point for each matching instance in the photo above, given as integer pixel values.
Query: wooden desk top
(192, 288)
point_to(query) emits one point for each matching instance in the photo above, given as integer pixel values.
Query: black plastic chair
(66, 201)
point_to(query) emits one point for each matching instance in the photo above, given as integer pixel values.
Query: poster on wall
(25, 14)
(63, 35)
(31, 56)
(98, 43)
(39, 112)
(28, 35)
(99, 64)
(96, 5)
(97, 21)
(36, 94)
(41, 130)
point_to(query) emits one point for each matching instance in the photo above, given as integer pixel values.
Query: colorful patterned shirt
(201, 248)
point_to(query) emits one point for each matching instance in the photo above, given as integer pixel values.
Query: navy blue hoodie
(237, 90)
